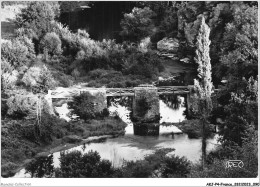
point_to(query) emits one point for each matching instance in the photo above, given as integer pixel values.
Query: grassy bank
(21, 140)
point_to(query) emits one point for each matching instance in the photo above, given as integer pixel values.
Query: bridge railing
(121, 91)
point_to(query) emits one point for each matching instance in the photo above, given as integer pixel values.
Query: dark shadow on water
(146, 129)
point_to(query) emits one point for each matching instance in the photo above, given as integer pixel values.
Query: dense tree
(176, 167)
(76, 164)
(41, 167)
(23, 104)
(203, 86)
(241, 113)
(83, 106)
(9, 76)
(158, 164)
(247, 153)
(39, 79)
(239, 56)
(39, 17)
(19, 52)
(51, 44)
(88, 165)
(138, 24)
(169, 24)
(239, 62)
(145, 64)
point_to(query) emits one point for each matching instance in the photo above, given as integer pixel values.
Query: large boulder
(185, 60)
(169, 45)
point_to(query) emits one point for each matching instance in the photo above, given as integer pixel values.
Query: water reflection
(172, 101)
(136, 147)
(170, 114)
(133, 147)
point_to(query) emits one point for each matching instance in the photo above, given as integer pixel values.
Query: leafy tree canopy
(51, 44)
(138, 24)
(38, 16)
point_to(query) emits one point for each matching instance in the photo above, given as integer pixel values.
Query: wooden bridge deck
(161, 90)
(113, 92)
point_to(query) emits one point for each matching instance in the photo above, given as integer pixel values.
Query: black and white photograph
(130, 89)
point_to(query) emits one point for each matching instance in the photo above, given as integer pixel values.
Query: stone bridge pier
(146, 111)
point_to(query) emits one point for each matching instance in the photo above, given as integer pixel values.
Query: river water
(133, 147)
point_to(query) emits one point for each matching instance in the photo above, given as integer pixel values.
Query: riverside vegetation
(47, 49)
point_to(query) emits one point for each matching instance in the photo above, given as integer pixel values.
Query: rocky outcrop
(185, 60)
(169, 45)
(191, 30)
(144, 45)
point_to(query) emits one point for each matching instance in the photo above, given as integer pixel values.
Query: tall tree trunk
(204, 144)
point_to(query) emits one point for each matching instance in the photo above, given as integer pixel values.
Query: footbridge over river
(162, 90)
(68, 93)
(150, 92)
(146, 113)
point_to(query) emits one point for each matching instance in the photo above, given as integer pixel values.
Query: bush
(65, 81)
(137, 24)
(116, 85)
(194, 129)
(51, 44)
(157, 164)
(88, 47)
(9, 76)
(216, 161)
(113, 79)
(83, 106)
(39, 79)
(40, 167)
(176, 167)
(74, 164)
(8, 166)
(95, 84)
(69, 40)
(97, 73)
(18, 52)
(24, 104)
(144, 64)
(23, 139)
(89, 165)
(105, 112)
(136, 169)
